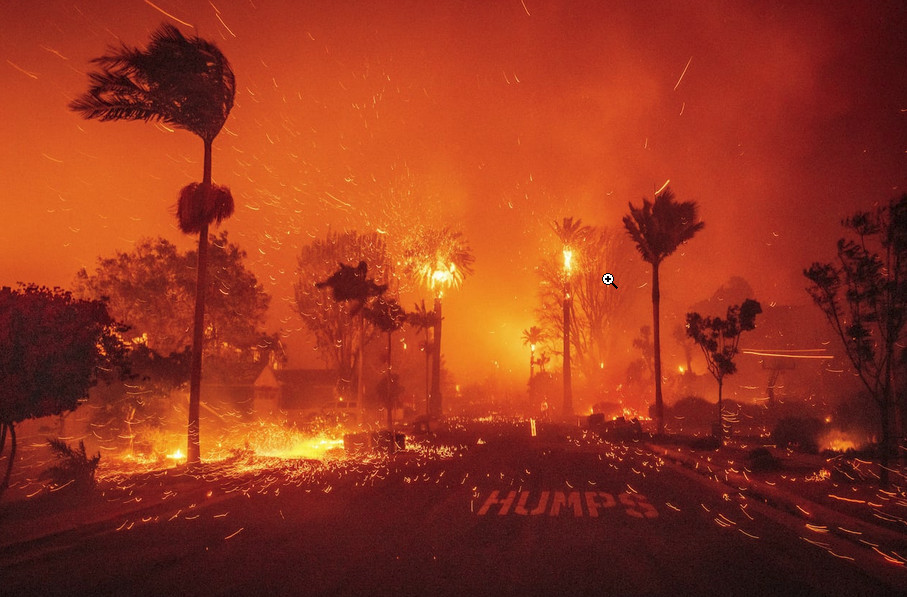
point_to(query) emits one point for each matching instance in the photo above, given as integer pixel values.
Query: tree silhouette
(532, 338)
(425, 320)
(151, 289)
(53, 349)
(718, 338)
(658, 229)
(338, 332)
(189, 84)
(388, 316)
(352, 284)
(871, 278)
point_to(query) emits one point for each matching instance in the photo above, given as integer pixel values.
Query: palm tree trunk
(389, 397)
(360, 377)
(193, 451)
(434, 400)
(12, 454)
(427, 374)
(656, 346)
(568, 382)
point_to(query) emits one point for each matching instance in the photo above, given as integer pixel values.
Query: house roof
(266, 379)
(269, 378)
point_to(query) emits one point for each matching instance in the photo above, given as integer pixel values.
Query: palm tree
(425, 320)
(658, 229)
(571, 233)
(532, 338)
(186, 83)
(388, 316)
(438, 259)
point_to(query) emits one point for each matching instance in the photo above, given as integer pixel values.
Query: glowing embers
(254, 444)
(840, 441)
(554, 503)
(272, 440)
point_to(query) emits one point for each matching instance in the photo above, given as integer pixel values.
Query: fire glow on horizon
(494, 117)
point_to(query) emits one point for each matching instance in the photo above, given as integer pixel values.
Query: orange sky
(494, 117)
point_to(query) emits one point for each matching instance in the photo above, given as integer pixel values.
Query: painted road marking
(581, 503)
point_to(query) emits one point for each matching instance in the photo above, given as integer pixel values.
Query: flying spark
(167, 14)
(683, 73)
(22, 70)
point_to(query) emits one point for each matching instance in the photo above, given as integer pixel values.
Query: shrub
(74, 467)
(801, 433)
(709, 442)
(761, 459)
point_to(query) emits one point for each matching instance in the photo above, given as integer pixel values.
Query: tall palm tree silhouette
(658, 229)
(532, 338)
(388, 316)
(424, 319)
(187, 83)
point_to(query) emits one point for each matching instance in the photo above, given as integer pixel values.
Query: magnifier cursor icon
(608, 280)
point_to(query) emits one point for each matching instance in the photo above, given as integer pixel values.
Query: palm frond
(201, 205)
(534, 335)
(438, 258)
(659, 228)
(184, 82)
(571, 232)
(422, 317)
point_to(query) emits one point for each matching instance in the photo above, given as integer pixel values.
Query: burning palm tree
(571, 234)
(438, 259)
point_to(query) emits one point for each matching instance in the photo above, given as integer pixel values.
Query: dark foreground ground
(486, 510)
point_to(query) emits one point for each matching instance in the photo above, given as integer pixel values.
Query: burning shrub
(74, 467)
(801, 433)
(837, 441)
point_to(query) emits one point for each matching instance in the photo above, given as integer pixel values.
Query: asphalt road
(512, 515)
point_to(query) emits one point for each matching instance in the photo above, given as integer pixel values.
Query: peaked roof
(266, 379)
(269, 378)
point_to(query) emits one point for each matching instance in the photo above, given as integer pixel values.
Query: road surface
(502, 513)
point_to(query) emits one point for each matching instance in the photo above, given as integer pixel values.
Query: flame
(839, 441)
(568, 260)
(267, 440)
(631, 413)
(443, 276)
(312, 448)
